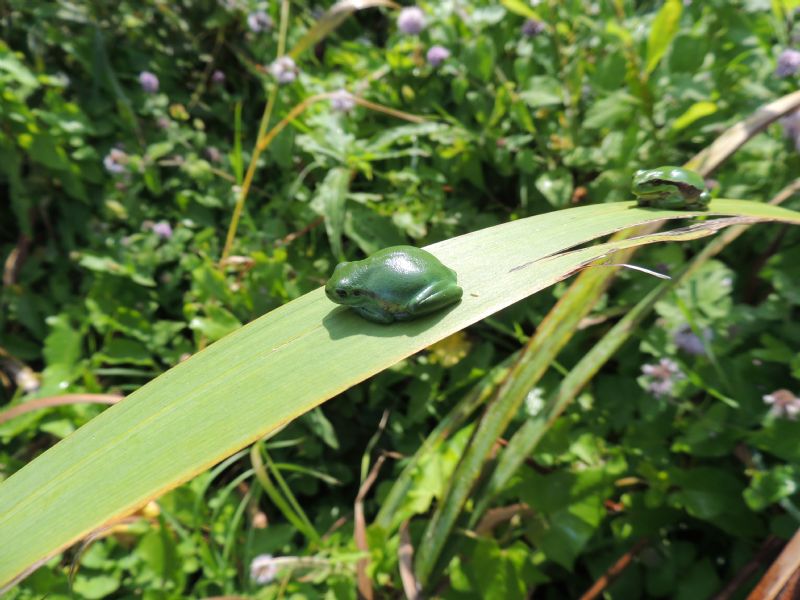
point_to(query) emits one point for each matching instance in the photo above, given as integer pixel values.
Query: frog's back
(398, 273)
(409, 261)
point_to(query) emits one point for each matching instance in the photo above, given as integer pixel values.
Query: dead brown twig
(781, 571)
(51, 401)
(766, 553)
(405, 559)
(501, 514)
(614, 571)
(360, 533)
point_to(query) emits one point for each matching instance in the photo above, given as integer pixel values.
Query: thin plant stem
(259, 147)
(248, 178)
(284, 27)
(265, 139)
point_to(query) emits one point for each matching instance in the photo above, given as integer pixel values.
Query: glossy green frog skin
(394, 284)
(671, 188)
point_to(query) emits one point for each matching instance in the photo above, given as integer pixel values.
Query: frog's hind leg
(374, 315)
(434, 297)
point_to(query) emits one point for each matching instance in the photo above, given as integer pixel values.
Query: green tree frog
(394, 284)
(670, 188)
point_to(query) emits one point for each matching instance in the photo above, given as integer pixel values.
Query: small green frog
(671, 188)
(394, 284)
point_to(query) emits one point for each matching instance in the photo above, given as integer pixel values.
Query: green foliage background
(96, 300)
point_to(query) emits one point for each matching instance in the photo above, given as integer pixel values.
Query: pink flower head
(115, 161)
(163, 230)
(437, 55)
(259, 21)
(532, 28)
(284, 70)
(342, 101)
(661, 377)
(788, 63)
(148, 81)
(783, 404)
(411, 20)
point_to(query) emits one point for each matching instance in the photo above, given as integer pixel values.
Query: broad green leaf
(98, 586)
(125, 351)
(772, 485)
(521, 8)
(662, 32)
(479, 57)
(556, 186)
(696, 111)
(62, 350)
(217, 323)
(542, 90)
(612, 110)
(280, 366)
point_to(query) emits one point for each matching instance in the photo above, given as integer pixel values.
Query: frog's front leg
(435, 296)
(375, 314)
(699, 203)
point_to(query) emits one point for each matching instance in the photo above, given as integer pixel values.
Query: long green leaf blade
(274, 369)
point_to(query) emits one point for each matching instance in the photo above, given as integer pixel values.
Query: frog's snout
(333, 292)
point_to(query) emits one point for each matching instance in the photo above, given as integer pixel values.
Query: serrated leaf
(330, 203)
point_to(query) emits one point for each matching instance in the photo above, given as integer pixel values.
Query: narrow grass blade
(332, 19)
(512, 393)
(562, 321)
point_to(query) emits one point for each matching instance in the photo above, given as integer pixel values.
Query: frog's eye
(341, 293)
(356, 292)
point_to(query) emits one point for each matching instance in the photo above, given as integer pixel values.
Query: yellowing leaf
(696, 111)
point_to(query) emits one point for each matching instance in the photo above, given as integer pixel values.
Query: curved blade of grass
(524, 441)
(333, 17)
(388, 517)
(274, 369)
(561, 322)
(511, 394)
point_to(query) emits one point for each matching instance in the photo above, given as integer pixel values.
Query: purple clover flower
(661, 377)
(342, 101)
(411, 20)
(115, 161)
(163, 230)
(532, 28)
(783, 403)
(218, 77)
(284, 70)
(213, 154)
(791, 127)
(788, 63)
(437, 55)
(259, 21)
(148, 81)
(689, 342)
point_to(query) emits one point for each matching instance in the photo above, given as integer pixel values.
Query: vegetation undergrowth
(171, 171)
